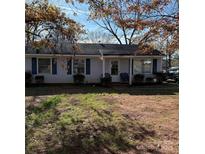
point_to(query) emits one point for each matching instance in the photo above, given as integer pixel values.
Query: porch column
(72, 59)
(130, 76)
(103, 67)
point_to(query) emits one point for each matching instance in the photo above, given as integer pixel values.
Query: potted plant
(106, 80)
(138, 78)
(39, 79)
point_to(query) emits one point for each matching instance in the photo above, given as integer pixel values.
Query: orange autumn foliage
(45, 24)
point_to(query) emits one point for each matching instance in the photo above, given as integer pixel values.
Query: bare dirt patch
(158, 111)
(146, 117)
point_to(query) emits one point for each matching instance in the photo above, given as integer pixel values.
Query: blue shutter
(87, 66)
(54, 66)
(154, 68)
(69, 66)
(34, 65)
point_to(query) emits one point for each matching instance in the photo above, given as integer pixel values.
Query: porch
(146, 66)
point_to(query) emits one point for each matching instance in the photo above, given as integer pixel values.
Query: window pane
(137, 67)
(147, 66)
(44, 66)
(44, 61)
(114, 67)
(78, 66)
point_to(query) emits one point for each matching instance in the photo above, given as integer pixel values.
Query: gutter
(117, 56)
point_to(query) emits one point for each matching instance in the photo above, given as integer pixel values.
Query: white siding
(107, 65)
(28, 64)
(63, 77)
(96, 69)
(124, 65)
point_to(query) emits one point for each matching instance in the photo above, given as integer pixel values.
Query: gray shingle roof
(91, 49)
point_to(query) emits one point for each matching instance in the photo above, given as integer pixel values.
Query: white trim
(71, 66)
(161, 67)
(103, 67)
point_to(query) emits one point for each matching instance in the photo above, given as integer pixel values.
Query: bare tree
(97, 37)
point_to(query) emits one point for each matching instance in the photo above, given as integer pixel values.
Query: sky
(82, 13)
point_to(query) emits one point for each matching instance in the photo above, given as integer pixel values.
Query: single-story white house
(92, 60)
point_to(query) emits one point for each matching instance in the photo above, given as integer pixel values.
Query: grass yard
(89, 120)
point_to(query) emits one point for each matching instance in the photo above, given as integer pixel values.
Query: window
(114, 67)
(147, 66)
(44, 65)
(142, 66)
(79, 66)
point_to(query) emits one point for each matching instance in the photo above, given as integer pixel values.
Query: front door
(114, 70)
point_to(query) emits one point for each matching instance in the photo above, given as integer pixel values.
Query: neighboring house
(92, 60)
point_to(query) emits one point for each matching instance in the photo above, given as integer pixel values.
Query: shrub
(150, 79)
(160, 77)
(39, 79)
(28, 78)
(177, 78)
(52, 102)
(105, 81)
(78, 78)
(138, 78)
(124, 77)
